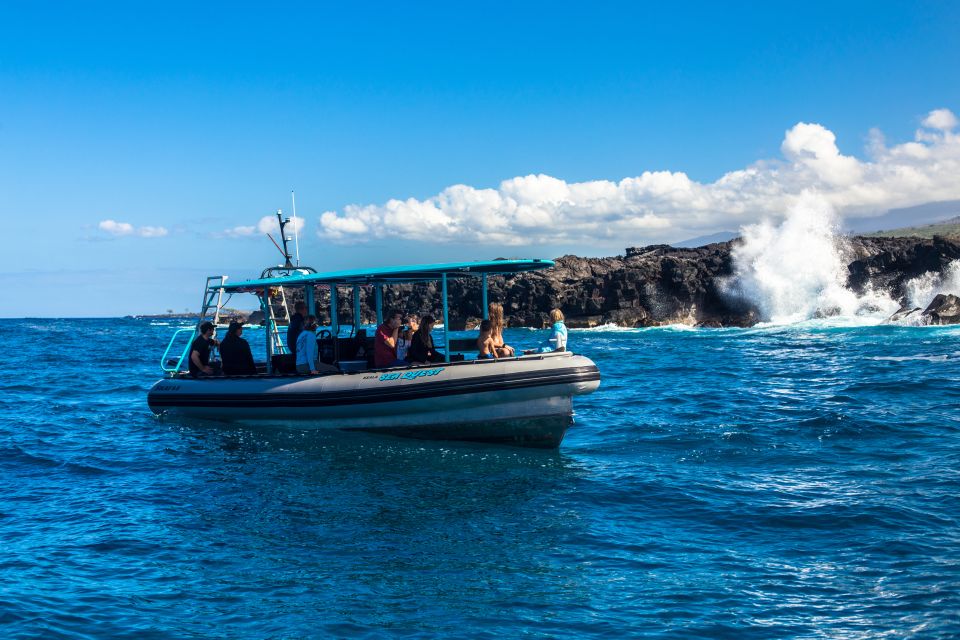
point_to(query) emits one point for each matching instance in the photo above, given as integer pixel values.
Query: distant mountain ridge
(948, 228)
(921, 221)
(700, 241)
(906, 218)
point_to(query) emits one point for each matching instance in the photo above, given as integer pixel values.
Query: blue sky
(200, 119)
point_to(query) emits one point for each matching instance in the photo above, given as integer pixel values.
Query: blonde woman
(495, 313)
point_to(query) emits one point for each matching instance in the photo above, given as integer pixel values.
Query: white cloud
(266, 224)
(815, 147)
(118, 229)
(942, 119)
(664, 205)
(115, 228)
(152, 232)
(240, 232)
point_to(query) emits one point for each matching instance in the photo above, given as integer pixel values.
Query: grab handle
(166, 352)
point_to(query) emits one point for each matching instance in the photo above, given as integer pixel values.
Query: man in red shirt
(385, 341)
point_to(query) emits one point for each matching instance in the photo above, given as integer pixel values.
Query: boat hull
(525, 401)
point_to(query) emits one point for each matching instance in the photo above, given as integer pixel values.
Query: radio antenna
(296, 226)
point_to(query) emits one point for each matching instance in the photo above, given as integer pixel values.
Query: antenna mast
(296, 226)
(283, 236)
(287, 267)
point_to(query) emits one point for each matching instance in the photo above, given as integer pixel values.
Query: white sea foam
(678, 326)
(797, 270)
(600, 327)
(607, 327)
(832, 322)
(614, 328)
(920, 291)
(929, 358)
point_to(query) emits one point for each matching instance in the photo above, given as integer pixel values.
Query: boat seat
(462, 345)
(284, 363)
(326, 351)
(347, 348)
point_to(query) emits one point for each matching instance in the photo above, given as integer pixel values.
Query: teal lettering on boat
(410, 375)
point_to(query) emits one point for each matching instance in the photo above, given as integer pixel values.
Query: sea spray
(797, 270)
(920, 291)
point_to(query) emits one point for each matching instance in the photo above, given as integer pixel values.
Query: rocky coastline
(657, 285)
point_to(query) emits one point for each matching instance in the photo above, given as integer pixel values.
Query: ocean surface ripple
(799, 481)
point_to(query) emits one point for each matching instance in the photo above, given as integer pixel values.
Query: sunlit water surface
(766, 483)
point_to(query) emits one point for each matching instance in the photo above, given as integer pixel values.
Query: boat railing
(166, 360)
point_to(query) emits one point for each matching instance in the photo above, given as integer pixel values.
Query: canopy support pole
(268, 334)
(357, 320)
(483, 286)
(334, 319)
(309, 301)
(378, 302)
(446, 321)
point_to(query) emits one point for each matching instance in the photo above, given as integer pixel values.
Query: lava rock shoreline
(649, 286)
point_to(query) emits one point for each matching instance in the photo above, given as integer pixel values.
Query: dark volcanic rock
(648, 286)
(945, 309)
(660, 284)
(888, 263)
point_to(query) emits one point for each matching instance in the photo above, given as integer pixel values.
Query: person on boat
(557, 340)
(296, 326)
(235, 353)
(308, 354)
(485, 342)
(385, 342)
(405, 337)
(495, 313)
(422, 350)
(199, 360)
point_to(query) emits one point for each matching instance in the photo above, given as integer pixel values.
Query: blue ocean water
(767, 483)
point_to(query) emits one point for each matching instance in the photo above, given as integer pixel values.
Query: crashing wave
(796, 271)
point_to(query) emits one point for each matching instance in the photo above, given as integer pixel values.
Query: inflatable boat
(525, 400)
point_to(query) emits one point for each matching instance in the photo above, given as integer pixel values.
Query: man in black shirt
(200, 351)
(235, 353)
(296, 326)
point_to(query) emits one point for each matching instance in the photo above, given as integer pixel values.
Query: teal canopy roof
(408, 273)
